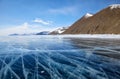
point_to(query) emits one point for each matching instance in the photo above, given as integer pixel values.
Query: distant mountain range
(54, 32)
(106, 21)
(43, 33)
(40, 33)
(16, 34)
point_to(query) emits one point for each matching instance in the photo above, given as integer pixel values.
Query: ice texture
(55, 57)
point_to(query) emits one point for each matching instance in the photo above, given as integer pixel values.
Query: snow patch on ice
(42, 71)
(114, 6)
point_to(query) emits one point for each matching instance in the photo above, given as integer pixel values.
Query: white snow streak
(114, 6)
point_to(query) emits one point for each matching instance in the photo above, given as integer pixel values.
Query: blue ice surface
(55, 57)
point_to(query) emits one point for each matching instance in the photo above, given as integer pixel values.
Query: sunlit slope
(106, 21)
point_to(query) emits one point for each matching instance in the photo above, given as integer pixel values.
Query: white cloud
(64, 10)
(38, 20)
(20, 29)
(24, 28)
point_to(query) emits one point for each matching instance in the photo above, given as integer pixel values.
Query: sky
(30, 16)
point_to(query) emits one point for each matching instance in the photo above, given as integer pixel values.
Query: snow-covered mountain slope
(114, 6)
(59, 30)
(88, 15)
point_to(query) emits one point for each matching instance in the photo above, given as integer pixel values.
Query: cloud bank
(20, 29)
(39, 20)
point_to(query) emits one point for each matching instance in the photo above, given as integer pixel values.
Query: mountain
(106, 21)
(28, 34)
(24, 34)
(15, 34)
(58, 31)
(43, 33)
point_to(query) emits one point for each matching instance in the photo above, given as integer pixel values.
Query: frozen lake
(57, 57)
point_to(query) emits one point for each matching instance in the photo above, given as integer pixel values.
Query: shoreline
(97, 36)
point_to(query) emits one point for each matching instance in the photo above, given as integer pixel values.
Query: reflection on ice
(58, 58)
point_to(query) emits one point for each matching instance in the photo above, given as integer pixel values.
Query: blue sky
(38, 15)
